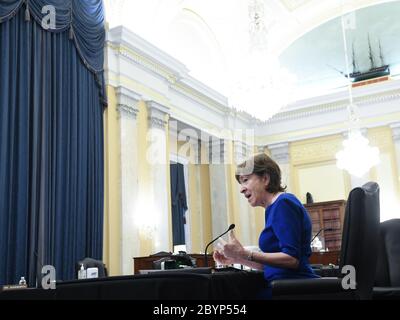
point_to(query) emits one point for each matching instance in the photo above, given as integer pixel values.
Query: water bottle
(22, 282)
(82, 272)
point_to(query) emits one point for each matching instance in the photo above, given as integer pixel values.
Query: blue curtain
(178, 202)
(51, 137)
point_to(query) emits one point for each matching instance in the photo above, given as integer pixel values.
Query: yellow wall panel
(323, 180)
(313, 169)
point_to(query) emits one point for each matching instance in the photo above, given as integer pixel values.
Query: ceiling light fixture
(357, 157)
(261, 87)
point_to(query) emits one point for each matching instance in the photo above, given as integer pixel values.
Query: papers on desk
(203, 270)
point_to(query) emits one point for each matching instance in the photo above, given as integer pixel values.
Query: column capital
(280, 152)
(157, 113)
(127, 101)
(395, 131)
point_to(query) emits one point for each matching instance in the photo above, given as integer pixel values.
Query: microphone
(231, 227)
(322, 229)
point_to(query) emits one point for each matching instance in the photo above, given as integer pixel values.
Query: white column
(247, 222)
(396, 140)
(218, 187)
(280, 154)
(158, 160)
(127, 110)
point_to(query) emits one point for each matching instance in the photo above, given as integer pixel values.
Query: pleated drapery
(178, 203)
(51, 137)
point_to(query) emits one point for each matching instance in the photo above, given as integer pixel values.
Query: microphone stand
(323, 229)
(231, 227)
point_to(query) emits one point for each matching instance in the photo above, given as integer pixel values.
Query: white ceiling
(211, 36)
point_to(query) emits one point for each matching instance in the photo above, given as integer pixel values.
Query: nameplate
(13, 287)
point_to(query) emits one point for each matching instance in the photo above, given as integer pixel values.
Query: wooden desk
(221, 285)
(146, 263)
(325, 258)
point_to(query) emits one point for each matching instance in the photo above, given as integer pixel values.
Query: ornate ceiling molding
(341, 105)
(199, 97)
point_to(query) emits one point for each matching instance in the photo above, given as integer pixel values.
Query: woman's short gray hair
(262, 165)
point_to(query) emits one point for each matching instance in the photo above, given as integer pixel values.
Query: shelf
(326, 215)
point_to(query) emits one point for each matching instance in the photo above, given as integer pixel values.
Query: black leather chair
(387, 279)
(92, 263)
(359, 248)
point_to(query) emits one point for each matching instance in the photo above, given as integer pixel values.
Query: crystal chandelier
(262, 87)
(357, 157)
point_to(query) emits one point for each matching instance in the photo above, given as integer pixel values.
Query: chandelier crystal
(357, 157)
(262, 86)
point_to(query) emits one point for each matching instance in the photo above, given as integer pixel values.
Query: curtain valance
(84, 20)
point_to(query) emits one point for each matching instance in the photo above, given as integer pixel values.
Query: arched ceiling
(211, 36)
(318, 59)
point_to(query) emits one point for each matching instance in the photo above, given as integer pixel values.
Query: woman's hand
(233, 249)
(232, 252)
(221, 259)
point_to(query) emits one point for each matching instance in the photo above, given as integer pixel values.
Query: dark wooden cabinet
(146, 263)
(325, 258)
(328, 215)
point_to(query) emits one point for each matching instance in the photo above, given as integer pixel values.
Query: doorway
(180, 202)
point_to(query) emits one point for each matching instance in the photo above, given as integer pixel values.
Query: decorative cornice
(123, 35)
(340, 105)
(144, 62)
(178, 81)
(199, 97)
(173, 79)
(235, 114)
(128, 45)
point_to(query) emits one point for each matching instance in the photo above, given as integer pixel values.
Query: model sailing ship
(375, 70)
